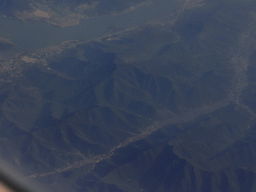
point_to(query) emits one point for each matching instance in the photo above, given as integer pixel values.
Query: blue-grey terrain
(164, 106)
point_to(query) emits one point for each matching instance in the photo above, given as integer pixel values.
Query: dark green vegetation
(158, 108)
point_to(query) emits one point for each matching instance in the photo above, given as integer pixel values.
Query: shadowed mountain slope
(161, 107)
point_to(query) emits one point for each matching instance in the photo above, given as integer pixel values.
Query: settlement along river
(30, 36)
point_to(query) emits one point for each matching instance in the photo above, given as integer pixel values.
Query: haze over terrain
(67, 12)
(158, 106)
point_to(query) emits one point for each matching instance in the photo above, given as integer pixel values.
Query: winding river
(29, 36)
